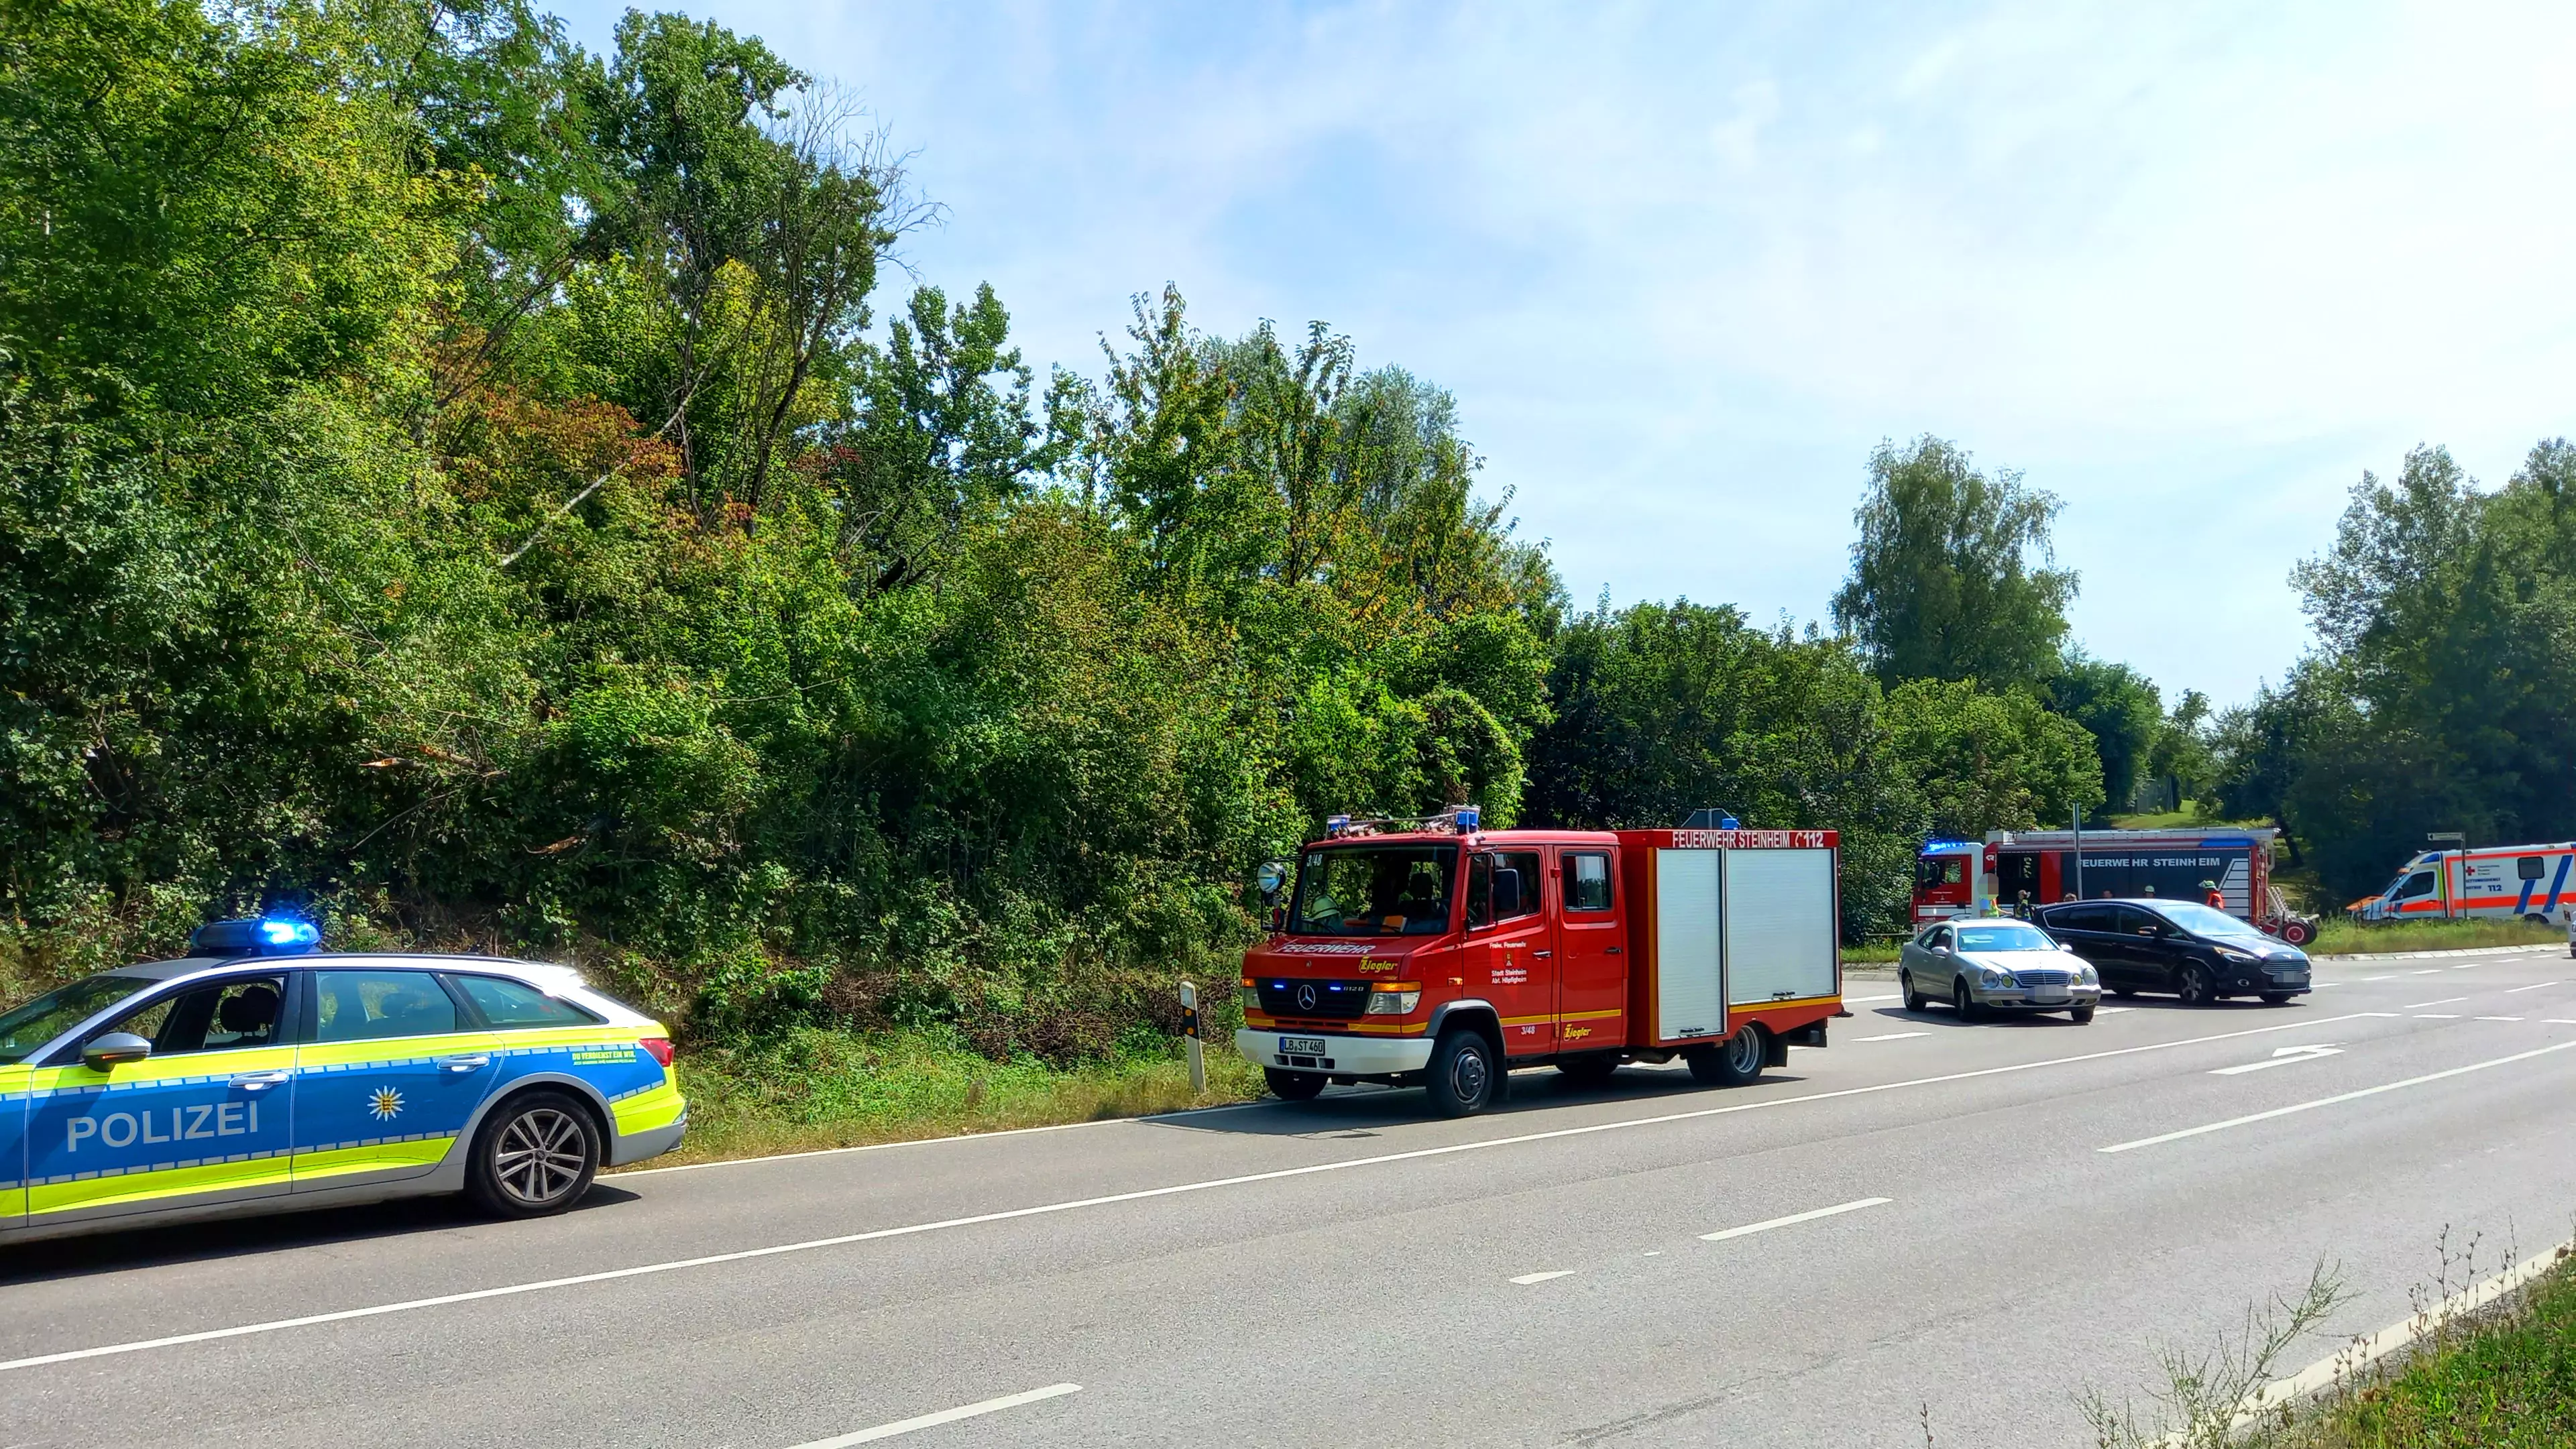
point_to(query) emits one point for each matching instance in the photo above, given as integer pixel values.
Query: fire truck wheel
(1461, 1078)
(2300, 933)
(1914, 1000)
(1293, 1086)
(1733, 1063)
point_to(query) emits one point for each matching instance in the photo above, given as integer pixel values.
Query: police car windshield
(30, 1026)
(1384, 890)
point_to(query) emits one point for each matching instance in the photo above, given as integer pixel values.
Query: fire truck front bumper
(1342, 1056)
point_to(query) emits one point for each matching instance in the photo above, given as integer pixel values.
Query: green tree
(1943, 582)
(1664, 709)
(1989, 761)
(2119, 707)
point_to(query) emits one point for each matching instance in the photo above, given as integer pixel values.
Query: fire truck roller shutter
(1779, 925)
(1688, 999)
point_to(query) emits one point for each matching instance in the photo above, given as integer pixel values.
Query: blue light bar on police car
(268, 936)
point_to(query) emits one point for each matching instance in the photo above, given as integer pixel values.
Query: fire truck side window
(1940, 870)
(1587, 882)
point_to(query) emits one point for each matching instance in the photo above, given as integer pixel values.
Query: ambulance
(2493, 882)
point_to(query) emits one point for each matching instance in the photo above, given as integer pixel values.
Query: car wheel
(1965, 1003)
(1731, 1063)
(2081, 1016)
(2536, 919)
(1590, 1071)
(2278, 998)
(536, 1155)
(2194, 988)
(1293, 1086)
(1914, 1000)
(1462, 1073)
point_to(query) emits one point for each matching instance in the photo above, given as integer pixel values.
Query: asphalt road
(1348, 1272)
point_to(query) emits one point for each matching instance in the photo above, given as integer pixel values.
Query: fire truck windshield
(1374, 890)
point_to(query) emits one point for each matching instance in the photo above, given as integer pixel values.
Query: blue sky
(2192, 268)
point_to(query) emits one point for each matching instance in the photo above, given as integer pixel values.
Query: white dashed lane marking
(1527, 1279)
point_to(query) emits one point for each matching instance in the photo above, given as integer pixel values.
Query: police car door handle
(471, 1062)
(258, 1081)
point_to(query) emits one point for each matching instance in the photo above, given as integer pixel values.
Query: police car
(259, 1073)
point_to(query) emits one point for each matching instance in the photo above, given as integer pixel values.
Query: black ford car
(2198, 953)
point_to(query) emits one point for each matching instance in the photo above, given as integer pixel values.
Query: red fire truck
(1448, 956)
(1968, 877)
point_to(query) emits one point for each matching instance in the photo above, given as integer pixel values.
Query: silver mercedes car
(1982, 965)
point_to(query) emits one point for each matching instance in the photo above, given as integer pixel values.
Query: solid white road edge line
(640, 1270)
(1527, 1279)
(2322, 1101)
(2535, 986)
(2445, 1001)
(2361, 1353)
(1892, 1036)
(944, 1416)
(1806, 1217)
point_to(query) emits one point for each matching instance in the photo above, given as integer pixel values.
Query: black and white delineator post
(1190, 1031)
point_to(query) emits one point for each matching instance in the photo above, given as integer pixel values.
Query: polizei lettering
(177, 1124)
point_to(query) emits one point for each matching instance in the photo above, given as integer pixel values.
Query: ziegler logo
(1375, 966)
(1577, 1033)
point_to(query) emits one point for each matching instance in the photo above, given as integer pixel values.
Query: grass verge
(2504, 1379)
(2343, 938)
(818, 1088)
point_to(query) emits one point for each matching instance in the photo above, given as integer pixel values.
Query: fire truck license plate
(1312, 1046)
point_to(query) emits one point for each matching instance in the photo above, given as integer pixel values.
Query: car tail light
(659, 1046)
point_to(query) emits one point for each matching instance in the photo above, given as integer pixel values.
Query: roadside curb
(2429, 955)
(2364, 1350)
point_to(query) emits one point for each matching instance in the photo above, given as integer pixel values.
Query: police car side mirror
(114, 1049)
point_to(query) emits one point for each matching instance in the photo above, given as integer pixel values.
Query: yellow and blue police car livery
(257, 1074)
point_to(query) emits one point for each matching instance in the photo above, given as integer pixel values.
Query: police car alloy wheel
(537, 1155)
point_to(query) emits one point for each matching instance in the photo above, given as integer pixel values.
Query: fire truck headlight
(1393, 1003)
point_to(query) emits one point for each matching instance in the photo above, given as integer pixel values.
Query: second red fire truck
(1447, 956)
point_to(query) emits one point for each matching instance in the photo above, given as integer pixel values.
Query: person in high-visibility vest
(2215, 898)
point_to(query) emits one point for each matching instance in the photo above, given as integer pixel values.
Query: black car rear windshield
(30, 1026)
(1374, 890)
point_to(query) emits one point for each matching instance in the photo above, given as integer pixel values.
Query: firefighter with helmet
(2212, 896)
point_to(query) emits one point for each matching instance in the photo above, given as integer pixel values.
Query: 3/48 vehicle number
(1309, 1045)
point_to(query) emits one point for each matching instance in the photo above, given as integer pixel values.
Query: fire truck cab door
(1511, 946)
(1591, 934)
